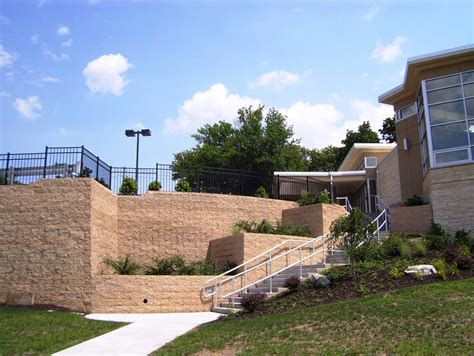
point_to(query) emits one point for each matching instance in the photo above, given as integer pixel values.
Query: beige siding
(389, 179)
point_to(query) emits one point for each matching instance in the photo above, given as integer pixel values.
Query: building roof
(360, 150)
(427, 61)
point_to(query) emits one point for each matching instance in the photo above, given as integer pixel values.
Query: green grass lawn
(29, 331)
(431, 319)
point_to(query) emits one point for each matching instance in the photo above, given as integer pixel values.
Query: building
(435, 132)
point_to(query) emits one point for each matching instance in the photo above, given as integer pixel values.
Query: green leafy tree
(323, 160)
(261, 192)
(351, 231)
(183, 186)
(129, 186)
(364, 134)
(388, 130)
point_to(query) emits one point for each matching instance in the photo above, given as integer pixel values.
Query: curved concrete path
(147, 333)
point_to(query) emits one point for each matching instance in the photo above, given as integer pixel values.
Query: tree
(352, 231)
(324, 160)
(256, 142)
(388, 130)
(129, 186)
(364, 134)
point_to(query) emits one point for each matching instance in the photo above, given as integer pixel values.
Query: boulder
(319, 280)
(425, 270)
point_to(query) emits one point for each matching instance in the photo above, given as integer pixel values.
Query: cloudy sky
(82, 71)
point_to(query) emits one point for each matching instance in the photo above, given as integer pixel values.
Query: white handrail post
(245, 274)
(312, 251)
(301, 263)
(233, 288)
(324, 250)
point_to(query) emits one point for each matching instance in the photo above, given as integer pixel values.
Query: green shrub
(391, 246)
(370, 251)
(395, 273)
(415, 200)
(418, 276)
(122, 265)
(441, 268)
(406, 250)
(183, 186)
(323, 198)
(338, 273)
(419, 248)
(129, 186)
(292, 283)
(453, 269)
(464, 238)
(261, 192)
(305, 199)
(437, 238)
(166, 266)
(307, 283)
(464, 251)
(154, 186)
(250, 302)
(265, 227)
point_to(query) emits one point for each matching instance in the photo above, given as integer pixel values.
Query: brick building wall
(389, 179)
(411, 219)
(451, 192)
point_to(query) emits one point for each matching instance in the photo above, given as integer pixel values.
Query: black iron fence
(63, 162)
(290, 188)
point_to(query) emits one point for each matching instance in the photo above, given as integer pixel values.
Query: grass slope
(29, 331)
(432, 319)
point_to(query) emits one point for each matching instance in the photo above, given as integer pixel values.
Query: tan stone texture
(317, 217)
(389, 179)
(452, 196)
(161, 224)
(411, 219)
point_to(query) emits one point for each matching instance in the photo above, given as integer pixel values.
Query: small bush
(405, 250)
(338, 273)
(183, 186)
(437, 238)
(370, 251)
(305, 199)
(419, 248)
(395, 273)
(415, 200)
(265, 227)
(154, 186)
(122, 265)
(441, 267)
(307, 283)
(453, 269)
(166, 266)
(292, 283)
(464, 251)
(129, 186)
(323, 198)
(261, 192)
(292, 229)
(418, 276)
(251, 302)
(392, 245)
(464, 238)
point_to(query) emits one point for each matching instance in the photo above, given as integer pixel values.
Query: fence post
(278, 187)
(156, 172)
(6, 169)
(82, 161)
(97, 168)
(45, 161)
(110, 178)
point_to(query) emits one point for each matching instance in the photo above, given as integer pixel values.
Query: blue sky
(81, 72)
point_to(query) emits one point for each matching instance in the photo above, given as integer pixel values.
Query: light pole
(132, 133)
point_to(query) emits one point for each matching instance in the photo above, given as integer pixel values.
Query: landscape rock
(319, 280)
(425, 270)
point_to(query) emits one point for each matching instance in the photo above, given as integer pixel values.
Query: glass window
(443, 82)
(469, 89)
(468, 77)
(370, 162)
(452, 156)
(470, 129)
(470, 107)
(447, 112)
(407, 111)
(438, 96)
(449, 136)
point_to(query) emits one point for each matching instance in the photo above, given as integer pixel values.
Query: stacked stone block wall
(411, 219)
(389, 179)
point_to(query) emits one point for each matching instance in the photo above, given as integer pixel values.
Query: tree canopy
(388, 130)
(264, 143)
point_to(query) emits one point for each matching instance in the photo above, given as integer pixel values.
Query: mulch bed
(373, 281)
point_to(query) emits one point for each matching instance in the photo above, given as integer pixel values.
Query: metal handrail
(263, 254)
(217, 286)
(322, 250)
(347, 203)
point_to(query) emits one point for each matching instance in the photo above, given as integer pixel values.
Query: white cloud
(28, 108)
(278, 79)
(207, 107)
(106, 74)
(4, 94)
(6, 58)
(369, 15)
(62, 31)
(50, 80)
(318, 125)
(57, 57)
(368, 111)
(390, 52)
(67, 43)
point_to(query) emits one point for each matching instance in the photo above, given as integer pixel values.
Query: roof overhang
(326, 176)
(358, 150)
(416, 64)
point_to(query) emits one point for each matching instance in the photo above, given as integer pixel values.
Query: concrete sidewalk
(147, 333)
